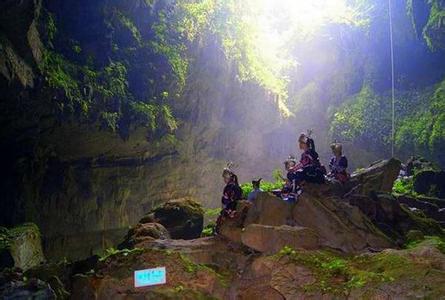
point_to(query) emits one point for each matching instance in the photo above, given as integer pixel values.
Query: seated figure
(338, 164)
(256, 189)
(308, 169)
(232, 193)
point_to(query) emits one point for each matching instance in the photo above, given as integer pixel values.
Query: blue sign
(150, 277)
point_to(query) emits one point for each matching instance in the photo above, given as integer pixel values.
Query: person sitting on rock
(256, 189)
(232, 193)
(338, 164)
(291, 190)
(309, 168)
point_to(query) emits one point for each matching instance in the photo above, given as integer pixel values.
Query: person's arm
(304, 161)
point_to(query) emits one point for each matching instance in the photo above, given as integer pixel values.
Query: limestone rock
(24, 245)
(338, 224)
(143, 231)
(183, 218)
(378, 177)
(392, 218)
(271, 239)
(416, 163)
(430, 182)
(113, 278)
(269, 210)
(232, 228)
(33, 289)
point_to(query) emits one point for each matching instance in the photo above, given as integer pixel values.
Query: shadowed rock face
(84, 186)
(183, 218)
(257, 255)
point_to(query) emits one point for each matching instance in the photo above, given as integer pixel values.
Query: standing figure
(231, 194)
(338, 164)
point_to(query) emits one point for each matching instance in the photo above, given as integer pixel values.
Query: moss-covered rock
(142, 232)
(327, 274)
(183, 218)
(114, 277)
(23, 244)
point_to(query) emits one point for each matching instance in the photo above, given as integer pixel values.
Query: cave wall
(84, 186)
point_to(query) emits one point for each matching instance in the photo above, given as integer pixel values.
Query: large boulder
(21, 247)
(232, 228)
(416, 164)
(392, 217)
(319, 220)
(183, 218)
(430, 182)
(143, 232)
(378, 177)
(269, 210)
(338, 224)
(114, 278)
(30, 289)
(271, 239)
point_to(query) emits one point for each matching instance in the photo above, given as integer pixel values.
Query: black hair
(311, 145)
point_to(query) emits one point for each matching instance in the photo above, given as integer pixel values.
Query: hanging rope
(392, 81)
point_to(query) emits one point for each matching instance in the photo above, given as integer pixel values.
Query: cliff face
(84, 185)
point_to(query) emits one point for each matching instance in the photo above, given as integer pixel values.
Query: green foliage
(209, 229)
(364, 119)
(212, 212)
(404, 186)
(423, 130)
(433, 32)
(99, 92)
(266, 186)
(128, 24)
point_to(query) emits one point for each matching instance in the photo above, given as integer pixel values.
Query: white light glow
(280, 21)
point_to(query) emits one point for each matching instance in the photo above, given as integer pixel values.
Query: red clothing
(305, 161)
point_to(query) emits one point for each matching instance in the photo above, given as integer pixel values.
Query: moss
(189, 206)
(112, 252)
(340, 274)
(7, 236)
(178, 292)
(436, 241)
(224, 276)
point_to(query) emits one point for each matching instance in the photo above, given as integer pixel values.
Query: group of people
(307, 169)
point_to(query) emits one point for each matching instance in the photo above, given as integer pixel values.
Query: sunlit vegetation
(161, 43)
(404, 186)
(366, 120)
